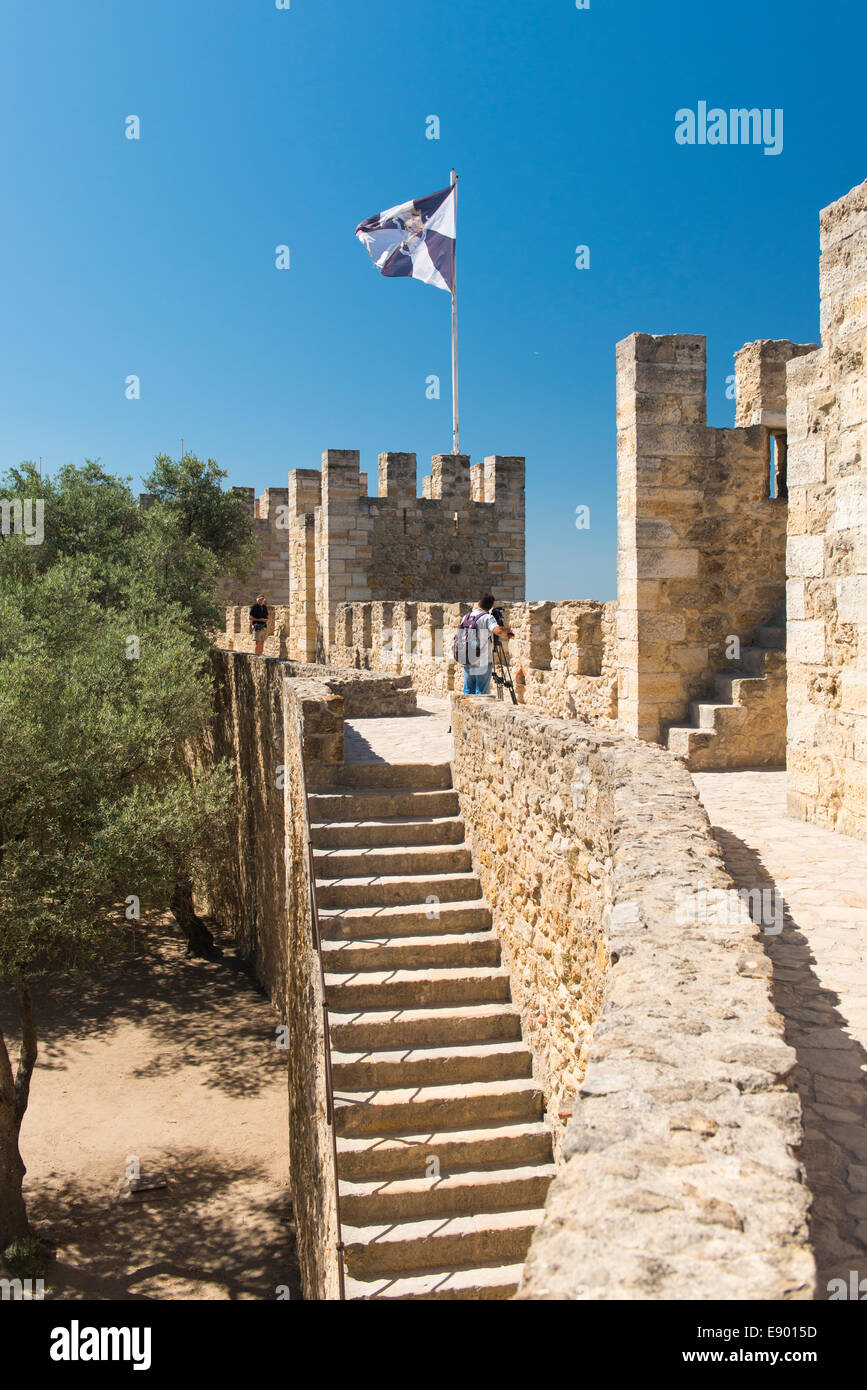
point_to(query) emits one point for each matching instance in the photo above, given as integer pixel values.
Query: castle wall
(433, 548)
(563, 656)
(827, 544)
(701, 542)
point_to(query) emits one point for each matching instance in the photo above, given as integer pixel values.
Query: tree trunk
(13, 1212)
(200, 942)
(14, 1095)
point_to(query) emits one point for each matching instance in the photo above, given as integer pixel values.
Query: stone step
(378, 1030)
(499, 1282)
(412, 952)
(436, 1107)
(416, 989)
(710, 714)
(468, 1193)
(685, 740)
(330, 807)
(389, 890)
(386, 776)
(365, 1158)
(400, 830)
(431, 1066)
(355, 923)
(495, 1237)
(391, 860)
(735, 689)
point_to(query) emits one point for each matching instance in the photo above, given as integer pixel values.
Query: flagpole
(455, 443)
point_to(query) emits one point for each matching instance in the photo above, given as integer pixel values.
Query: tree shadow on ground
(215, 1015)
(831, 1082)
(216, 1231)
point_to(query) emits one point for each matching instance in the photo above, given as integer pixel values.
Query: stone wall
(827, 544)
(537, 816)
(263, 896)
(679, 1176)
(323, 541)
(264, 900)
(368, 693)
(465, 532)
(701, 542)
(563, 655)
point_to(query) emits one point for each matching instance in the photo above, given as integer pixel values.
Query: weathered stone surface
(827, 673)
(700, 537)
(686, 1096)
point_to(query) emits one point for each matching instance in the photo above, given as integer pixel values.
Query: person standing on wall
(259, 622)
(473, 647)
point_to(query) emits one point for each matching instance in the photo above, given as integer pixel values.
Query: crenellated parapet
(324, 542)
(563, 656)
(701, 520)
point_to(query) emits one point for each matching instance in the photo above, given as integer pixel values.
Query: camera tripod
(500, 672)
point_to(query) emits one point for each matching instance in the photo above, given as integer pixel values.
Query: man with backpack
(474, 647)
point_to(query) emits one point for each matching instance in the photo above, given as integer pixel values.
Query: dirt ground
(172, 1060)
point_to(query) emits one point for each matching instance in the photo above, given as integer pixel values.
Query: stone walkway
(416, 738)
(819, 962)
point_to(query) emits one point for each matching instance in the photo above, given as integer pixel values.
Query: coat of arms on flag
(416, 239)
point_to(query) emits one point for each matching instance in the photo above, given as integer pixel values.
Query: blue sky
(262, 127)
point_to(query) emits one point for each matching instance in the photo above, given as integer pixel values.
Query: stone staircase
(745, 726)
(443, 1157)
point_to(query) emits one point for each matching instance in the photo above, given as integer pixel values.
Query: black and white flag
(416, 239)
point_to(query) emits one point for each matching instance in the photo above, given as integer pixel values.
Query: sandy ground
(172, 1060)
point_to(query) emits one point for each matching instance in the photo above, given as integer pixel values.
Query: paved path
(820, 987)
(416, 738)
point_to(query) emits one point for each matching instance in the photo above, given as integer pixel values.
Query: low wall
(264, 896)
(679, 1176)
(563, 655)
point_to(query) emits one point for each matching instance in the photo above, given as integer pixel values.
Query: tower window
(777, 488)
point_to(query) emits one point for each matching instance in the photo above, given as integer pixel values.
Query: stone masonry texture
(701, 543)
(585, 841)
(827, 539)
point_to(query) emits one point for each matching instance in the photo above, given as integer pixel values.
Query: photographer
(474, 647)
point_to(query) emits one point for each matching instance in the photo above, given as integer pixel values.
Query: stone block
(667, 564)
(795, 600)
(852, 599)
(805, 642)
(805, 556)
(805, 463)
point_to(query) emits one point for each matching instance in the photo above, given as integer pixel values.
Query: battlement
(323, 541)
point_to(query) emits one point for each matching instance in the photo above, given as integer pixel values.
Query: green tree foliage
(104, 692)
(191, 491)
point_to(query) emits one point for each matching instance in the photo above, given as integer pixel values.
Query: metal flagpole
(455, 444)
